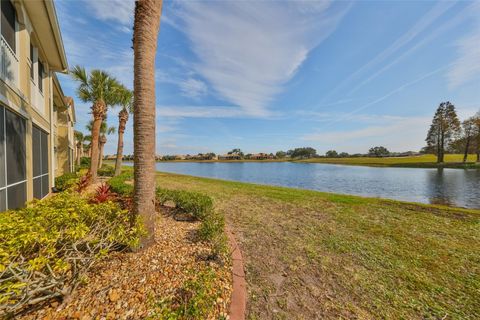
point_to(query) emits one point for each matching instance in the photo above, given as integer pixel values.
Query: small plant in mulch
(194, 300)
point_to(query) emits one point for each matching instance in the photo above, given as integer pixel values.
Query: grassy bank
(317, 255)
(423, 161)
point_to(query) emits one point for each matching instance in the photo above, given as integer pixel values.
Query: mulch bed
(128, 285)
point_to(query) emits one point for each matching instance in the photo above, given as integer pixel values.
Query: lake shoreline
(456, 188)
(453, 161)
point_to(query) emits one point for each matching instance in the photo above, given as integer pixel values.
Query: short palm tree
(104, 131)
(145, 36)
(98, 88)
(80, 139)
(126, 102)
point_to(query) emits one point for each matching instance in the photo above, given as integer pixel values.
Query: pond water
(455, 187)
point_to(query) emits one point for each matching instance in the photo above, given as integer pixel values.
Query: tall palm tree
(126, 101)
(97, 88)
(80, 139)
(145, 35)
(104, 131)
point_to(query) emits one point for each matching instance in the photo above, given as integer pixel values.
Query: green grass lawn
(427, 160)
(312, 255)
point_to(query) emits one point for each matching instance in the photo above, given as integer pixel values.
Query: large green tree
(470, 132)
(444, 129)
(97, 87)
(378, 152)
(145, 36)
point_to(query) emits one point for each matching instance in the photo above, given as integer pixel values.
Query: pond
(454, 187)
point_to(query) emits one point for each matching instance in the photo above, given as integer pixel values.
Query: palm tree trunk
(79, 153)
(145, 35)
(100, 155)
(98, 111)
(122, 121)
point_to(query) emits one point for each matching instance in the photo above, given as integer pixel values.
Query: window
(13, 184)
(40, 76)
(8, 23)
(40, 162)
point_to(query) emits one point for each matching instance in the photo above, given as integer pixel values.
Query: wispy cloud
(119, 11)
(396, 47)
(248, 51)
(399, 135)
(387, 95)
(467, 64)
(200, 112)
(193, 88)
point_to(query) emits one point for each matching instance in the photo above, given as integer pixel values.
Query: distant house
(204, 156)
(261, 156)
(231, 156)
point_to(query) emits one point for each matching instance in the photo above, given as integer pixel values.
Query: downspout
(52, 138)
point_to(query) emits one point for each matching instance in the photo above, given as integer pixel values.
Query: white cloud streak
(467, 64)
(120, 11)
(418, 28)
(200, 112)
(248, 50)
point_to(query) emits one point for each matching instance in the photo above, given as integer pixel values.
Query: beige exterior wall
(23, 96)
(65, 142)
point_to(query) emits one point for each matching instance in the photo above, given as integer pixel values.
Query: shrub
(200, 206)
(66, 181)
(47, 246)
(117, 184)
(84, 164)
(106, 171)
(197, 204)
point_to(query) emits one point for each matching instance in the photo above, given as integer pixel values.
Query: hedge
(199, 205)
(106, 171)
(66, 181)
(118, 185)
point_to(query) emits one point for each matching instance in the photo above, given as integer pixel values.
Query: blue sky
(273, 75)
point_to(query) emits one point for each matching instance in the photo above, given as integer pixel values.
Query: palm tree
(86, 146)
(104, 131)
(97, 88)
(145, 35)
(80, 138)
(126, 101)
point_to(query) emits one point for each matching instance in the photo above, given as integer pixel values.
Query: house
(261, 156)
(31, 52)
(230, 156)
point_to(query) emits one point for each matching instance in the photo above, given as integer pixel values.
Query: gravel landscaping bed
(161, 280)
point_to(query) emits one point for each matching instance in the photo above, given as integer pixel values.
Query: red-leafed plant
(83, 183)
(103, 193)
